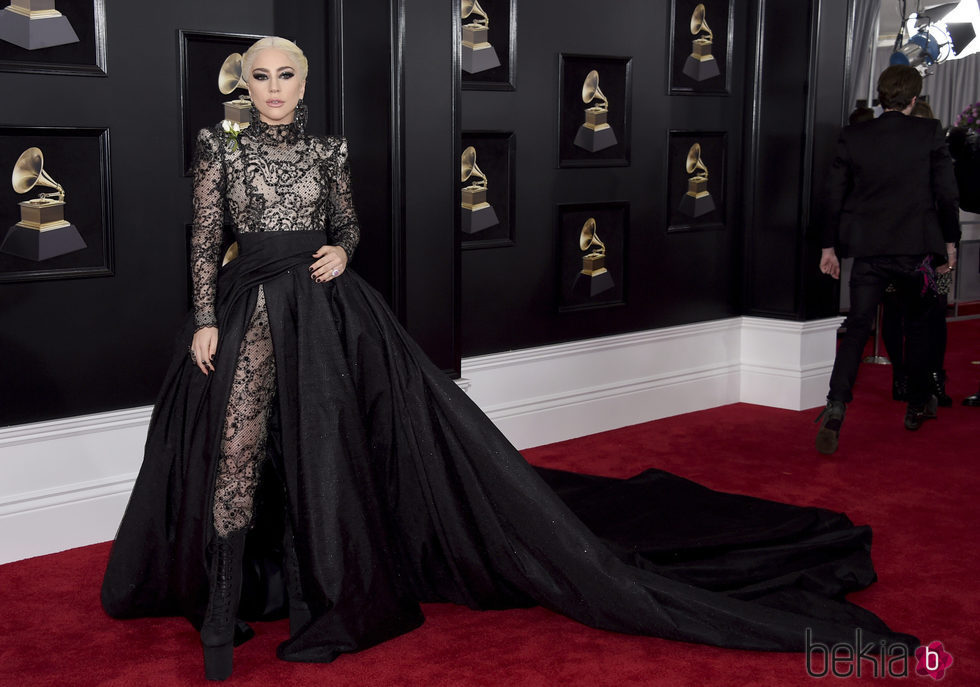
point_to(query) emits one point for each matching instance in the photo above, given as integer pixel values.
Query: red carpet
(920, 491)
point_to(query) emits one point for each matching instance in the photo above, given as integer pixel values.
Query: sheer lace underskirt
(245, 430)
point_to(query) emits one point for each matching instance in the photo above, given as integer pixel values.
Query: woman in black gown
(306, 457)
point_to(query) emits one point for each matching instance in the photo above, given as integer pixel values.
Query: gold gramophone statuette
(594, 263)
(35, 24)
(701, 64)
(478, 54)
(478, 214)
(697, 201)
(595, 134)
(42, 232)
(231, 79)
(594, 277)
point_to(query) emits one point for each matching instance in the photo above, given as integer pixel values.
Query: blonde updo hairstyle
(291, 50)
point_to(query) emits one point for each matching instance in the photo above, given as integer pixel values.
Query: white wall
(65, 483)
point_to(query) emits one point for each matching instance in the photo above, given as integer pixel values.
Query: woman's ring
(335, 272)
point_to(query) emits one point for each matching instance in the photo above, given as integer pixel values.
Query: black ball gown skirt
(398, 490)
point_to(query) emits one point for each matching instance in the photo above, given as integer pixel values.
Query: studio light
(950, 31)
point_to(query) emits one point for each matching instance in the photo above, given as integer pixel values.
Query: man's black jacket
(891, 190)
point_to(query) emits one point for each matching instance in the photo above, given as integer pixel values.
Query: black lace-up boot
(218, 628)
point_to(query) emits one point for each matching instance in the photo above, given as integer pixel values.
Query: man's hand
(829, 264)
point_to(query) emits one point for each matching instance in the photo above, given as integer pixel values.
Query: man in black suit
(891, 203)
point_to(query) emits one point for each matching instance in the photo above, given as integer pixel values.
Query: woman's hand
(331, 263)
(950, 260)
(203, 346)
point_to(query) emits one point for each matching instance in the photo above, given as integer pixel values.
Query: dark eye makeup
(263, 76)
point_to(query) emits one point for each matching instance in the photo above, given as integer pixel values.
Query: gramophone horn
(468, 166)
(591, 90)
(694, 161)
(470, 7)
(230, 78)
(230, 254)
(29, 172)
(698, 24)
(587, 239)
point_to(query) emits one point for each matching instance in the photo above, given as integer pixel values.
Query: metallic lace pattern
(272, 178)
(243, 441)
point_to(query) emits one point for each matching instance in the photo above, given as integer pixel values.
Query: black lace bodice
(272, 178)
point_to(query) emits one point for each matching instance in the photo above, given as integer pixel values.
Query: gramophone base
(479, 59)
(585, 286)
(695, 206)
(41, 245)
(701, 70)
(33, 34)
(478, 219)
(595, 140)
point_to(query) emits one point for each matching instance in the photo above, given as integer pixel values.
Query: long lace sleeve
(209, 197)
(344, 229)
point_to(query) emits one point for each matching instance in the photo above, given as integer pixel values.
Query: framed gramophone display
(594, 108)
(487, 188)
(55, 214)
(53, 36)
(592, 248)
(488, 41)
(699, 51)
(696, 180)
(231, 80)
(211, 89)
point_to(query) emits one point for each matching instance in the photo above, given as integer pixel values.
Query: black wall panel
(510, 294)
(431, 147)
(797, 75)
(387, 76)
(69, 347)
(361, 105)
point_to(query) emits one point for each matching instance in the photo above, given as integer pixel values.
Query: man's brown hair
(897, 85)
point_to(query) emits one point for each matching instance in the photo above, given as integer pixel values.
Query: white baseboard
(65, 483)
(787, 364)
(552, 393)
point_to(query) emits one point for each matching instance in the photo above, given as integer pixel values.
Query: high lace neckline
(279, 133)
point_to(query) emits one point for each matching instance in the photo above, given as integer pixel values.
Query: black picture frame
(694, 78)
(615, 82)
(502, 36)
(576, 291)
(496, 156)
(686, 212)
(78, 159)
(84, 57)
(201, 103)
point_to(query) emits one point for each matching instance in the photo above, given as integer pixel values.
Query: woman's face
(275, 86)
